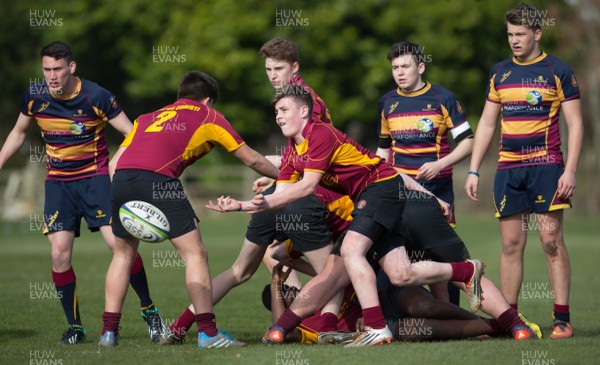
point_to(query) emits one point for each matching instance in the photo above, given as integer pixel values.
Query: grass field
(32, 319)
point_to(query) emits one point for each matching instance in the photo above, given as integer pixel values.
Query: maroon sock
(288, 320)
(328, 322)
(496, 327)
(462, 271)
(110, 322)
(509, 319)
(373, 317)
(206, 323)
(138, 264)
(561, 312)
(515, 306)
(182, 325)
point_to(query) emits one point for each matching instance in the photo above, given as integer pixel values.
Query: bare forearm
(462, 150)
(13, 143)
(482, 141)
(574, 148)
(264, 167)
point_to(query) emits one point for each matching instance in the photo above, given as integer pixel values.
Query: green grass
(30, 327)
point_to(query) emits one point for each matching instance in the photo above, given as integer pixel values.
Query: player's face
(290, 116)
(280, 73)
(523, 41)
(58, 74)
(407, 73)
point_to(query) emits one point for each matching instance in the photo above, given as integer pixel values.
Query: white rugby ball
(144, 221)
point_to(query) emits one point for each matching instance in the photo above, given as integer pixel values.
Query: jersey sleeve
(288, 173)
(383, 127)
(455, 119)
(567, 86)
(26, 103)
(127, 141)
(491, 93)
(106, 104)
(222, 133)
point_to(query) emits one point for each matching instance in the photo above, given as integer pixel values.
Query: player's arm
(572, 112)
(430, 170)
(286, 193)
(483, 138)
(16, 138)
(384, 153)
(112, 165)
(256, 161)
(121, 123)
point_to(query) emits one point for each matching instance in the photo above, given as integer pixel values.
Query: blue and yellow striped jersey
(531, 94)
(73, 128)
(415, 125)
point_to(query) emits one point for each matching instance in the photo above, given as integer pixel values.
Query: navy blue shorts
(531, 188)
(164, 192)
(66, 202)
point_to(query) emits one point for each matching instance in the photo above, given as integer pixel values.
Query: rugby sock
(288, 320)
(328, 322)
(561, 312)
(182, 324)
(461, 271)
(509, 319)
(206, 323)
(373, 317)
(110, 322)
(496, 327)
(66, 288)
(139, 282)
(515, 306)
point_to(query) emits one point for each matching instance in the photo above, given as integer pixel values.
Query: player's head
(408, 64)
(198, 86)
(293, 109)
(281, 60)
(289, 293)
(523, 27)
(58, 67)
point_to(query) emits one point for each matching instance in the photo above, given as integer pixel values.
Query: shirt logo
(100, 214)
(540, 199)
(505, 76)
(534, 97)
(392, 107)
(574, 81)
(80, 113)
(425, 125)
(458, 107)
(77, 128)
(43, 107)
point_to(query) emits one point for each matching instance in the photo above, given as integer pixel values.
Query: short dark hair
(57, 50)
(280, 48)
(406, 48)
(196, 85)
(296, 92)
(525, 15)
(286, 290)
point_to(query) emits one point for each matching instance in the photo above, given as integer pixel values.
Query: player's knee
(401, 278)
(241, 273)
(550, 245)
(421, 309)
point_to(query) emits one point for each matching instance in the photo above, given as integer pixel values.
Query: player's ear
(295, 67)
(206, 101)
(72, 67)
(537, 35)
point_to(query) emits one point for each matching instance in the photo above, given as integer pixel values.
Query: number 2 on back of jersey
(160, 119)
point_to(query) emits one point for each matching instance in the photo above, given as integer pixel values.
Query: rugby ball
(144, 221)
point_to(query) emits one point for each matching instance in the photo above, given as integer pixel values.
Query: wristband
(474, 173)
(239, 209)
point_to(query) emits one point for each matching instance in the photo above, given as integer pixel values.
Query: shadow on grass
(16, 334)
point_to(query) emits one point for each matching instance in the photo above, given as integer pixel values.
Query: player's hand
(446, 208)
(471, 187)
(279, 274)
(261, 184)
(566, 185)
(258, 204)
(429, 170)
(224, 204)
(360, 324)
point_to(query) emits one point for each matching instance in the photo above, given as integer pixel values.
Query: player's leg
(117, 282)
(61, 226)
(559, 269)
(425, 329)
(514, 238)
(271, 258)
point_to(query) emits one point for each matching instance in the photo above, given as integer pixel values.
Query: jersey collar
(69, 96)
(421, 91)
(531, 61)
